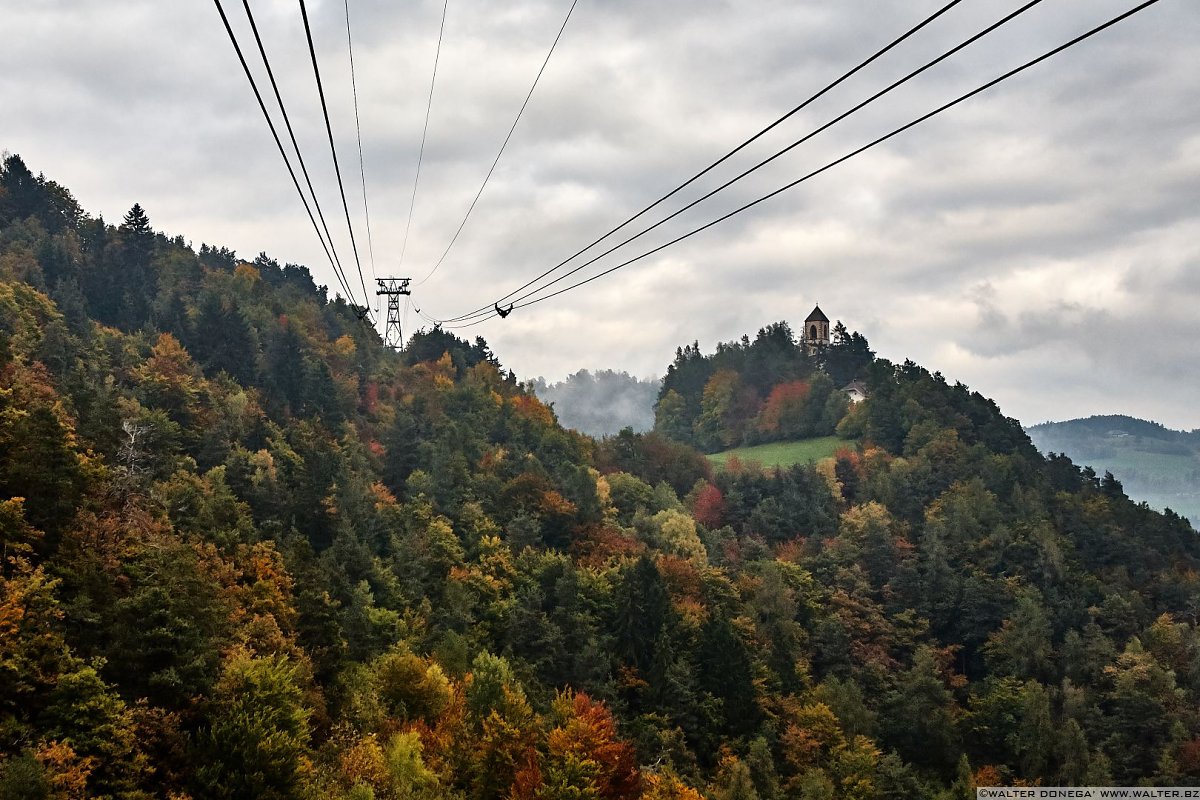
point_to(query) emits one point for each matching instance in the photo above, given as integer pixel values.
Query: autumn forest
(249, 552)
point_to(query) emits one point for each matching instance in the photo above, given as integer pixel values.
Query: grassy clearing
(785, 454)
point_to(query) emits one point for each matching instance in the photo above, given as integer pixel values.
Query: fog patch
(601, 403)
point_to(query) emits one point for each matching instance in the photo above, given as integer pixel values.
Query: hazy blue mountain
(1154, 463)
(601, 403)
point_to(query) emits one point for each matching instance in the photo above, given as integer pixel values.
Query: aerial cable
(427, 318)
(312, 50)
(358, 131)
(493, 313)
(279, 144)
(503, 145)
(421, 153)
(879, 53)
(830, 165)
(292, 135)
(789, 148)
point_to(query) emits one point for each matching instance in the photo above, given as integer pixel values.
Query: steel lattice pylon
(392, 288)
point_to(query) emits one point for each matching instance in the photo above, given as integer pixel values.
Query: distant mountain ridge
(1123, 424)
(1154, 463)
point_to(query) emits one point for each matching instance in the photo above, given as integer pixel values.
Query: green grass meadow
(784, 454)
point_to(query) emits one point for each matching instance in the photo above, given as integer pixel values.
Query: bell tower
(816, 330)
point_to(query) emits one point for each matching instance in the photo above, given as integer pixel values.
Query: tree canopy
(247, 551)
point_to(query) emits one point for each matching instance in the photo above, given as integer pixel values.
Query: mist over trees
(248, 552)
(601, 403)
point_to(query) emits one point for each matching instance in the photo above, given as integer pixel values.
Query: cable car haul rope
(538, 289)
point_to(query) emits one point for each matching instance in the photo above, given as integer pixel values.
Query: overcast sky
(1040, 243)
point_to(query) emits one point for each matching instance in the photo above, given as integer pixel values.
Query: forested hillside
(1154, 463)
(250, 553)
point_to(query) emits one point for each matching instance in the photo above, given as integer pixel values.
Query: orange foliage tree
(585, 743)
(782, 414)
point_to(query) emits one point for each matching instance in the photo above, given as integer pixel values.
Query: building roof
(817, 315)
(856, 386)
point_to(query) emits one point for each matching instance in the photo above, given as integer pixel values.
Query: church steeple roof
(817, 315)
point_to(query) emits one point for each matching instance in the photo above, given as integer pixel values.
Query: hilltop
(250, 552)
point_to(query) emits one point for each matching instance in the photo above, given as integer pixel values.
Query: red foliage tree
(709, 507)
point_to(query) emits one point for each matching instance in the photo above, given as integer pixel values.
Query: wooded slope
(250, 553)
